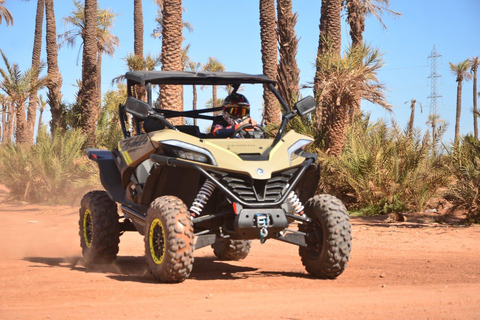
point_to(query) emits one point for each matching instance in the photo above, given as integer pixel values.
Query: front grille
(251, 190)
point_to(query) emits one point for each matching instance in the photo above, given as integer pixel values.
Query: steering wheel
(244, 133)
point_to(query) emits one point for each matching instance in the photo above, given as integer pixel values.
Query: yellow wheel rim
(87, 228)
(156, 241)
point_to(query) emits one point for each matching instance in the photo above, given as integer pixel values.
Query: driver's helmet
(236, 108)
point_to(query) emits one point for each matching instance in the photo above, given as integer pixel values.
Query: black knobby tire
(169, 240)
(328, 236)
(232, 250)
(99, 228)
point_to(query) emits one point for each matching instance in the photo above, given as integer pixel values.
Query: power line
(404, 68)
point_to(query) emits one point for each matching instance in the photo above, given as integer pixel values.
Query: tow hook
(262, 220)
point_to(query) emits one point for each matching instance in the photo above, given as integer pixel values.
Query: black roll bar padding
(163, 120)
(235, 88)
(121, 115)
(175, 162)
(272, 88)
(285, 117)
(191, 113)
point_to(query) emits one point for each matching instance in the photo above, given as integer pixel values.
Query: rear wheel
(169, 240)
(232, 249)
(99, 228)
(328, 237)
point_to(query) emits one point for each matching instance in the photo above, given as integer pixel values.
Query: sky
(230, 32)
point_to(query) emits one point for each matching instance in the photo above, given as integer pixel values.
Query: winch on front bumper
(259, 223)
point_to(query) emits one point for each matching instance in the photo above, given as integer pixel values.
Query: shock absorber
(202, 198)
(295, 203)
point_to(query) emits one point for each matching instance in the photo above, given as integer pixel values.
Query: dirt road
(399, 271)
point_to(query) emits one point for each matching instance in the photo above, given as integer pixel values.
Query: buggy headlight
(297, 149)
(187, 151)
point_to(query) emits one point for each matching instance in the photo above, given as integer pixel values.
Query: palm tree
(138, 28)
(8, 118)
(158, 31)
(106, 41)
(170, 95)
(5, 14)
(268, 25)
(288, 72)
(474, 68)
(194, 67)
(4, 108)
(330, 27)
(214, 65)
(358, 10)
(330, 39)
(54, 95)
(41, 107)
(412, 115)
(341, 78)
(439, 126)
(37, 50)
(136, 63)
(19, 86)
(89, 97)
(461, 71)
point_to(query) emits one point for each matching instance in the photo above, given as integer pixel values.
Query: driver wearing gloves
(235, 114)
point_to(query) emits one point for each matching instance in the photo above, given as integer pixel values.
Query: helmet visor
(237, 112)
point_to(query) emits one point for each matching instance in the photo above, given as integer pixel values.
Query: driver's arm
(219, 131)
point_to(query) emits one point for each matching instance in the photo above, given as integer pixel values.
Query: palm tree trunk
(138, 40)
(39, 121)
(170, 95)
(288, 72)
(412, 117)
(138, 28)
(54, 95)
(10, 123)
(330, 26)
(89, 76)
(214, 96)
(4, 120)
(457, 115)
(21, 131)
(335, 135)
(268, 26)
(330, 39)
(194, 102)
(99, 80)
(37, 50)
(356, 20)
(475, 62)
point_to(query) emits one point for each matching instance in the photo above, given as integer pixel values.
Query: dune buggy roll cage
(235, 79)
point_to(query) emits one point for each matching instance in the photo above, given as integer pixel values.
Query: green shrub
(382, 207)
(53, 170)
(464, 165)
(383, 168)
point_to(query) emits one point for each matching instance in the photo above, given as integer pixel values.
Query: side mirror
(138, 108)
(305, 106)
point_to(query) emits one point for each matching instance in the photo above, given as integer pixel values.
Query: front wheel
(328, 237)
(169, 240)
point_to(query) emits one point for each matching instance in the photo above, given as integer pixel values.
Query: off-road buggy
(184, 190)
